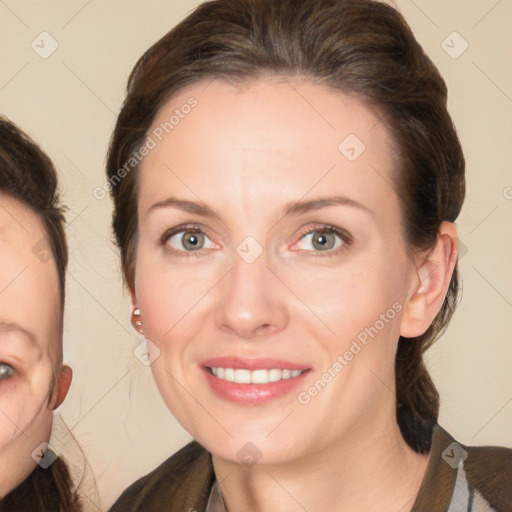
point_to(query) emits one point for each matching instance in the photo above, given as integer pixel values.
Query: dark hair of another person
(44, 490)
(362, 48)
(28, 175)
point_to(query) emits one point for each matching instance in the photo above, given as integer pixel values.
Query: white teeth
(259, 376)
(274, 375)
(242, 376)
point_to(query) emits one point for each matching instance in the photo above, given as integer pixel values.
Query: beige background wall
(68, 103)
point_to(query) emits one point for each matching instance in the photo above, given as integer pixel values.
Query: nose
(252, 301)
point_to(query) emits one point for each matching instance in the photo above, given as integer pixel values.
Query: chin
(251, 447)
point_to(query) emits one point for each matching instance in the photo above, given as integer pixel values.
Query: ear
(133, 297)
(63, 383)
(428, 289)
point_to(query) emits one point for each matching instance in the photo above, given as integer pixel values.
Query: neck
(372, 470)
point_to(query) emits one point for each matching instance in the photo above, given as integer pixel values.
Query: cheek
(21, 408)
(363, 307)
(163, 302)
(166, 298)
(351, 298)
(11, 404)
(169, 292)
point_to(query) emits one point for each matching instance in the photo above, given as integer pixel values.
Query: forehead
(29, 287)
(288, 134)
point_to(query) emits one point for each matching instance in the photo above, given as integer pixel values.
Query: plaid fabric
(458, 479)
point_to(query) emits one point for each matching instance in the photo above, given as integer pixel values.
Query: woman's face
(293, 273)
(29, 333)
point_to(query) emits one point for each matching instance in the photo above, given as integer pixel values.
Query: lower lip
(252, 394)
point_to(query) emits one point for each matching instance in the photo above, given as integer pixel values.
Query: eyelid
(20, 354)
(328, 228)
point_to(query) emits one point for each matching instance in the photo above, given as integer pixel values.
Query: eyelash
(345, 237)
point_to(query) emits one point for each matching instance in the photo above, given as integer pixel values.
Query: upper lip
(260, 363)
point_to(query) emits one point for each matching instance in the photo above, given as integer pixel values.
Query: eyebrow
(15, 327)
(291, 208)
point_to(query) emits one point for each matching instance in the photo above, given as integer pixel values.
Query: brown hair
(44, 490)
(28, 175)
(360, 47)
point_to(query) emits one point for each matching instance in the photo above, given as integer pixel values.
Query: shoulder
(181, 482)
(460, 477)
(488, 472)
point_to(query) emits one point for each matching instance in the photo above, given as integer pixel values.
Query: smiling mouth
(261, 376)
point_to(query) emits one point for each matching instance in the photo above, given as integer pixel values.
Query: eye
(187, 239)
(324, 239)
(6, 371)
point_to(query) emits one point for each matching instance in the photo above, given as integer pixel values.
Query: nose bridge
(250, 300)
(249, 266)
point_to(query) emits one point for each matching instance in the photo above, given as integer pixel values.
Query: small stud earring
(137, 323)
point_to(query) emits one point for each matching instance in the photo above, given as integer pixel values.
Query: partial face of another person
(271, 250)
(30, 340)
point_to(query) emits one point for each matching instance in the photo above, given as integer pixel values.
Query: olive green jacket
(458, 479)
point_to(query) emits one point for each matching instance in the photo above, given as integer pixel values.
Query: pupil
(322, 241)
